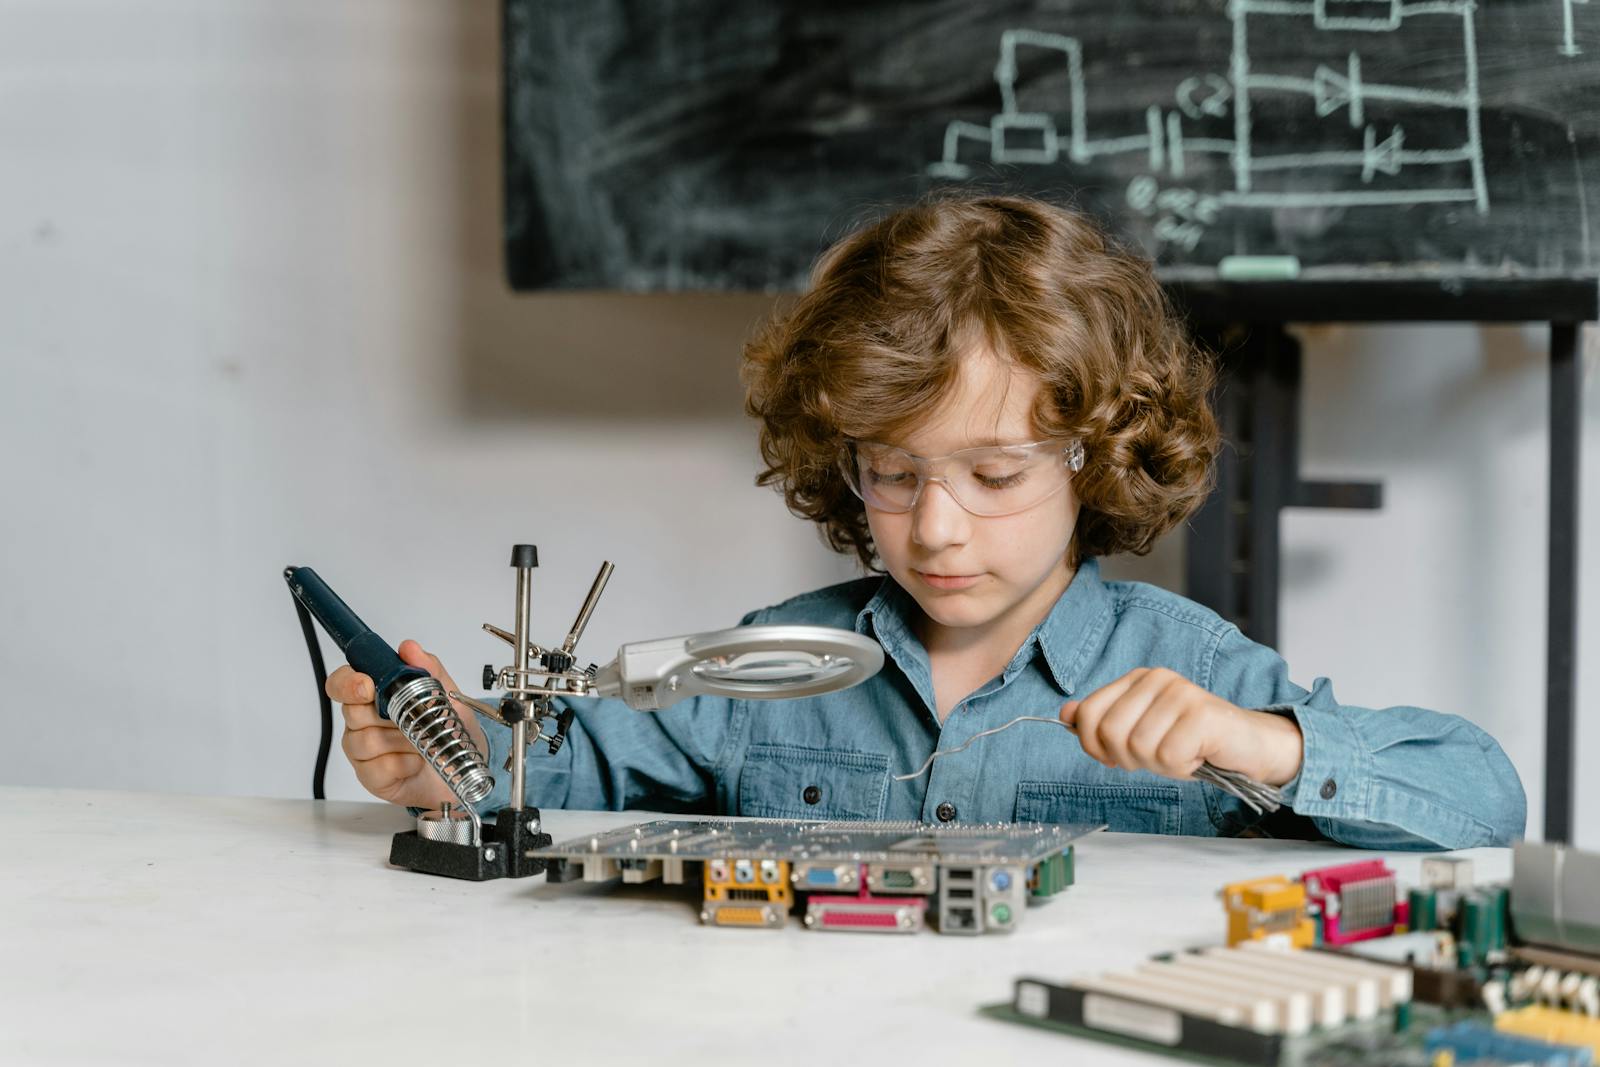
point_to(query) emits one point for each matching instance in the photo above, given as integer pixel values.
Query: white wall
(253, 315)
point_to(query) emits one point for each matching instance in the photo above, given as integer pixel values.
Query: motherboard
(1340, 967)
(882, 877)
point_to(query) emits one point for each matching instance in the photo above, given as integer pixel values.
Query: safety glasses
(991, 480)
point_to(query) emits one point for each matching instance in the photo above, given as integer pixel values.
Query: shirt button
(1329, 788)
(811, 795)
(946, 812)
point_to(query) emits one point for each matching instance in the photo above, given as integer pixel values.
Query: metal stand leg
(1234, 543)
(1213, 534)
(1566, 442)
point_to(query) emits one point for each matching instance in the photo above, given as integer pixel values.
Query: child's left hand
(1155, 719)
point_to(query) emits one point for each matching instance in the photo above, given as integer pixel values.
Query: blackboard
(721, 144)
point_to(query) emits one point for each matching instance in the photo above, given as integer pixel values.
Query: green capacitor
(1476, 929)
(1053, 874)
(1499, 910)
(1424, 904)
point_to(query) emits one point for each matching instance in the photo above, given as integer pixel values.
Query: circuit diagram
(1569, 42)
(1213, 115)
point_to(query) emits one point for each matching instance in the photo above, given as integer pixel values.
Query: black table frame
(1233, 542)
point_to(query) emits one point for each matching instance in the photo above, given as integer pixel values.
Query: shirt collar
(1068, 638)
(887, 616)
(1075, 631)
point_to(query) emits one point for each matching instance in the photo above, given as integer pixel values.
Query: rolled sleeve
(1395, 778)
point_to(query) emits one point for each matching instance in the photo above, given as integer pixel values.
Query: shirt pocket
(792, 782)
(1135, 809)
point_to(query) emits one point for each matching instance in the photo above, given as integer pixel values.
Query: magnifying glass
(771, 662)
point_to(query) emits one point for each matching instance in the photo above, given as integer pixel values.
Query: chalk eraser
(1258, 268)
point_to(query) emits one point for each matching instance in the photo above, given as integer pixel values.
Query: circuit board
(885, 877)
(1375, 1041)
(1337, 968)
(1412, 1036)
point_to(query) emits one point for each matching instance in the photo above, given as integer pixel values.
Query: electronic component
(1448, 987)
(1370, 986)
(1457, 989)
(745, 891)
(1253, 1005)
(1050, 876)
(1555, 897)
(899, 877)
(1471, 1041)
(865, 876)
(1553, 1025)
(1272, 908)
(1420, 948)
(1447, 872)
(1456, 928)
(1353, 900)
(1479, 923)
(1327, 905)
(866, 913)
(826, 876)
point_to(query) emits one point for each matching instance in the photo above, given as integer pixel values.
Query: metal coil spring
(426, 718)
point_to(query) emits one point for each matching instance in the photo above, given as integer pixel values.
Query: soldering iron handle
(364, 649)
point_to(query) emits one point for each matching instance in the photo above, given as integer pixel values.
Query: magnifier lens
(773, 668)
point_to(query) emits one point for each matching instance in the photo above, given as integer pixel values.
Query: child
(981, 397)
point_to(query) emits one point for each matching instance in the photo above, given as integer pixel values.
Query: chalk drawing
(1032, 138)
(1569, 44)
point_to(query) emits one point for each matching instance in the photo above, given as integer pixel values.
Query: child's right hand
(385, 763)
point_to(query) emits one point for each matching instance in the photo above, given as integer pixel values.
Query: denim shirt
(1397, 778)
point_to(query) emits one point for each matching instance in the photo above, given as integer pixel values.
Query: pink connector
(866, 911)
(1355, 901)
(854, 916)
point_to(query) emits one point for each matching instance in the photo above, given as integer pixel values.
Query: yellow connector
(747, 881)
(741, 915)
(1551, 1024)
(1268, 907)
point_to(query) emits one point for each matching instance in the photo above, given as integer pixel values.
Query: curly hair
(875, 343)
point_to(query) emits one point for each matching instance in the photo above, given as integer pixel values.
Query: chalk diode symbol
(1383, 156)
(1331, 90)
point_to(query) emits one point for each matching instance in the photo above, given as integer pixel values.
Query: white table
(160, 929)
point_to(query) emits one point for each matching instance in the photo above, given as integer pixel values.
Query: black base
(508, 850)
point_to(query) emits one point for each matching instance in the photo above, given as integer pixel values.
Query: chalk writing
(1453, 173)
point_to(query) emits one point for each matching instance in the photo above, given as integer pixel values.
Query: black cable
(320, 669)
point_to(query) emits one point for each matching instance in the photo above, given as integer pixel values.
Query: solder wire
(1260, 797)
